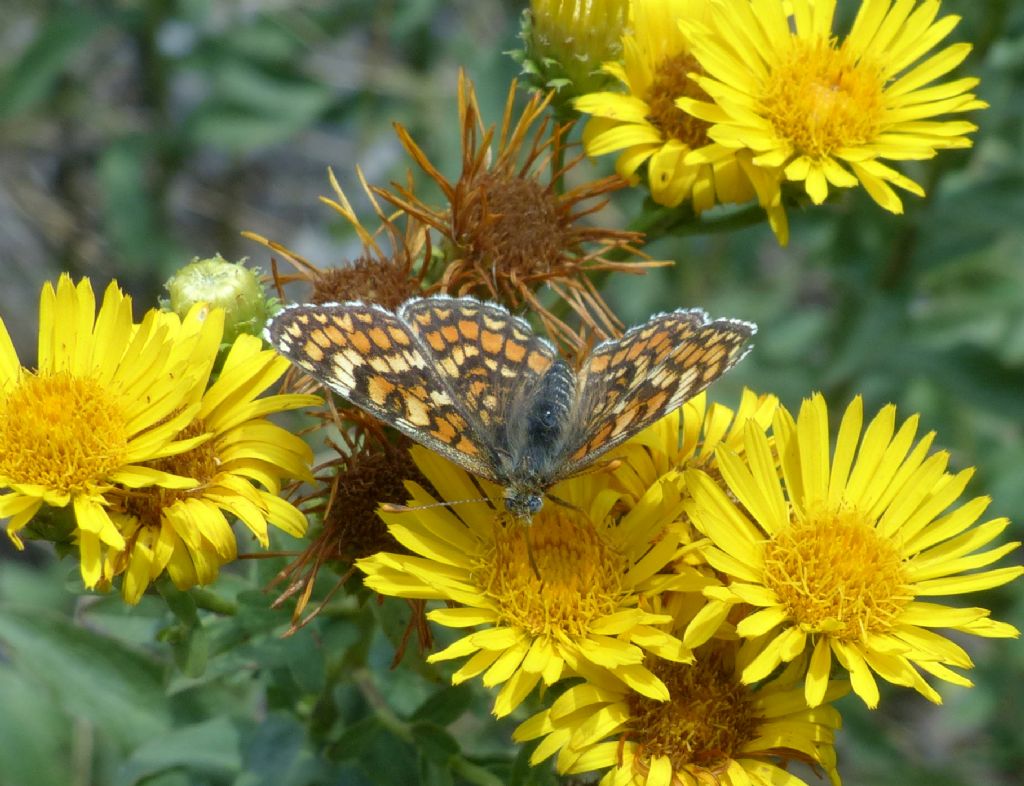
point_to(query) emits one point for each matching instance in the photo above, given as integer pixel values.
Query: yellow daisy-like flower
(713, 730)
(571, 591)
(826, 112)
(108, 397)
(186, 531)
(839, 556)
(648, 127)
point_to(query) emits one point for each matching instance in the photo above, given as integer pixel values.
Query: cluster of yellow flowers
(726, 100)
(668, 591)
(122, 423)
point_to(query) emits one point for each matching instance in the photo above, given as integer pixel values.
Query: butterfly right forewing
(629, 383)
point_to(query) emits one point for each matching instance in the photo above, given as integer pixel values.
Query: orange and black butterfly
(474, 383)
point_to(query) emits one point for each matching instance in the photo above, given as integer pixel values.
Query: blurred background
(137, 135)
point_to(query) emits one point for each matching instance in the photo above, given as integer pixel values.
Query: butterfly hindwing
(489, 359)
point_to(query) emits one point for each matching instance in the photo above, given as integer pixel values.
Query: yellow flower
(826, 112)
(839, 556)
(569, 592)
(108, 397)
(646, 124)
(713, 730)
(689, 437)
(186, 531)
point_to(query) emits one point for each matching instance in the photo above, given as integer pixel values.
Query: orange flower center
(200, 463)
(61, 432)
(578, 576)
(835, 574)
(822, 100)
(709, 718)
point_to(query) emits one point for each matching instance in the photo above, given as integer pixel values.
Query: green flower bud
(222, 284)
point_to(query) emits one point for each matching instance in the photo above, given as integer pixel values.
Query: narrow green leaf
(92, 676)
(445, 705)
(31, 79)
(34, 740)
(209, 748)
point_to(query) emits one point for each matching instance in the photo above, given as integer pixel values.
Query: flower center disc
(61, 432)
(577, 577)
(517, 226)
(708, 719)
(834, 573)
(821, 99)
(671, 81)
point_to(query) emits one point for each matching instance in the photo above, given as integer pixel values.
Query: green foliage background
(136, 135)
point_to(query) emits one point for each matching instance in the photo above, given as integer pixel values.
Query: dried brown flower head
(369, 469)
(508, 225)
(385, 273)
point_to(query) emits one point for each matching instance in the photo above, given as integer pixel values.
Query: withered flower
(508, 226)
(369, 469)
(387, 273)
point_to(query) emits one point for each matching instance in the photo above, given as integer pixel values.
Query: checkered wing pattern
(489, 359)
(377, 361)
(629, 383)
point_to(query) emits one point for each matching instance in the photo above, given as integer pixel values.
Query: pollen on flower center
(821, 99)
(672, 81)
(61, 432)
(834, 573)
(578, 576)
(706, 722)
(515, 224)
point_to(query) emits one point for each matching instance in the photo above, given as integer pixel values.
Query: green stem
(205, 599)
(678, 222)
(382, 712)
(474, 773)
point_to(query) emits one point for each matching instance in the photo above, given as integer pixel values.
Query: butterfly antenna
(564, 503)
(394, 507)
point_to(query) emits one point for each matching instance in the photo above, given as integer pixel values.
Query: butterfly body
(472, 382)
(536, 436)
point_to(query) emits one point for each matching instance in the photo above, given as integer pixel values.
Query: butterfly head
(523, 503)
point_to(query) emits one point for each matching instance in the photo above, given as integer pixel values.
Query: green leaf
(131, 216)
(207, 748)
(239, 130)
(193, 653)
(34, 740)
(276, 753)
(92, 676)
(247, 86)
(434, 773)
(357, 739)
(31, 79)
(254, 109)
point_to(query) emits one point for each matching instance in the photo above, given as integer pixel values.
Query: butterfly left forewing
(369, 356)
(629, 383)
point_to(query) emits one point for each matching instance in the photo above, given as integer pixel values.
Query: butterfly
(474, 383)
